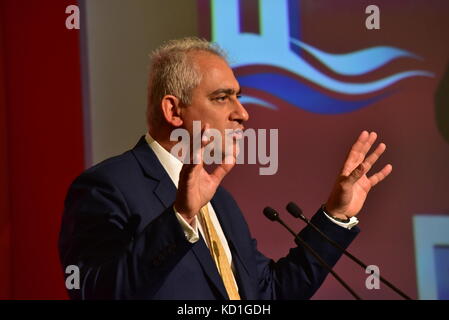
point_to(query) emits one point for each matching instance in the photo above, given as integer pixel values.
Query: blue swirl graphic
(357, 62)
(277, 46)
(300, 95)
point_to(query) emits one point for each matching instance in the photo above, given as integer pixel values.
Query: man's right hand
(196, 186)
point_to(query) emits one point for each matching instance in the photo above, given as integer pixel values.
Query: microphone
(273, 215)
(296, 212)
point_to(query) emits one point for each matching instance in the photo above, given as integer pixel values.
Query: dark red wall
(44, 142)
(5, 288)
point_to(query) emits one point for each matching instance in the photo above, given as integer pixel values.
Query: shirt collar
(170, 163)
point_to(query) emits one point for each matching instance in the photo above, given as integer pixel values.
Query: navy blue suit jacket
(120, 229)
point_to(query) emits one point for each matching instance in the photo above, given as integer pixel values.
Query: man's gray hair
(173, 71)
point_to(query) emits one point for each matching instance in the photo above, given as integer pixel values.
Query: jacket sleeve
(299, 275)
(98, 235)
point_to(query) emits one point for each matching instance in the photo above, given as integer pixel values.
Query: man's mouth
(236, 134)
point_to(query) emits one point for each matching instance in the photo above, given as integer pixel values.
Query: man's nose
(239, 113)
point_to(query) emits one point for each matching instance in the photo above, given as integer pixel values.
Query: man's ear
(171, 109)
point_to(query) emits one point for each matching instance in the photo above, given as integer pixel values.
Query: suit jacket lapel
(165, 191)
(203, 255)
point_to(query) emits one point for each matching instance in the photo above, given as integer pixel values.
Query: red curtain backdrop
(5, 288)
(41, 112)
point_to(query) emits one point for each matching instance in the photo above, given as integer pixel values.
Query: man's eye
(221, 98)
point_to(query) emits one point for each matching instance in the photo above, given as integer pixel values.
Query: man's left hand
(352, 186)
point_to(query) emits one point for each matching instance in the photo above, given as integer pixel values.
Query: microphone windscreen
(294, 209)
(270, 213)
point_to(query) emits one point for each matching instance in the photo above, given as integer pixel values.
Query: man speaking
(145, 225)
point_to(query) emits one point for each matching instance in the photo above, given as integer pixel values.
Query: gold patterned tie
(218, 253)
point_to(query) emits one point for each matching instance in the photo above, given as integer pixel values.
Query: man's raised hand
(196, 186)
(352, 186)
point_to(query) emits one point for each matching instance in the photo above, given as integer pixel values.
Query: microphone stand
(296, 212)
(273, 215)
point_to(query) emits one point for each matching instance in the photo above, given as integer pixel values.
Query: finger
(369, 143)
(354, 155)
(372, 136)
(358, 151)
(194, 155)
(205, 135)
(381, 175)
(192, 162)
(360, 142)
(356, 174)
(197, 154)
(224, 168)
(374, 156)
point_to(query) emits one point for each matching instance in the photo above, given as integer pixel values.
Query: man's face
(215, 99)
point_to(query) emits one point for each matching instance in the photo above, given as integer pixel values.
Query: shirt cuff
(353, 221)
(191, 232)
